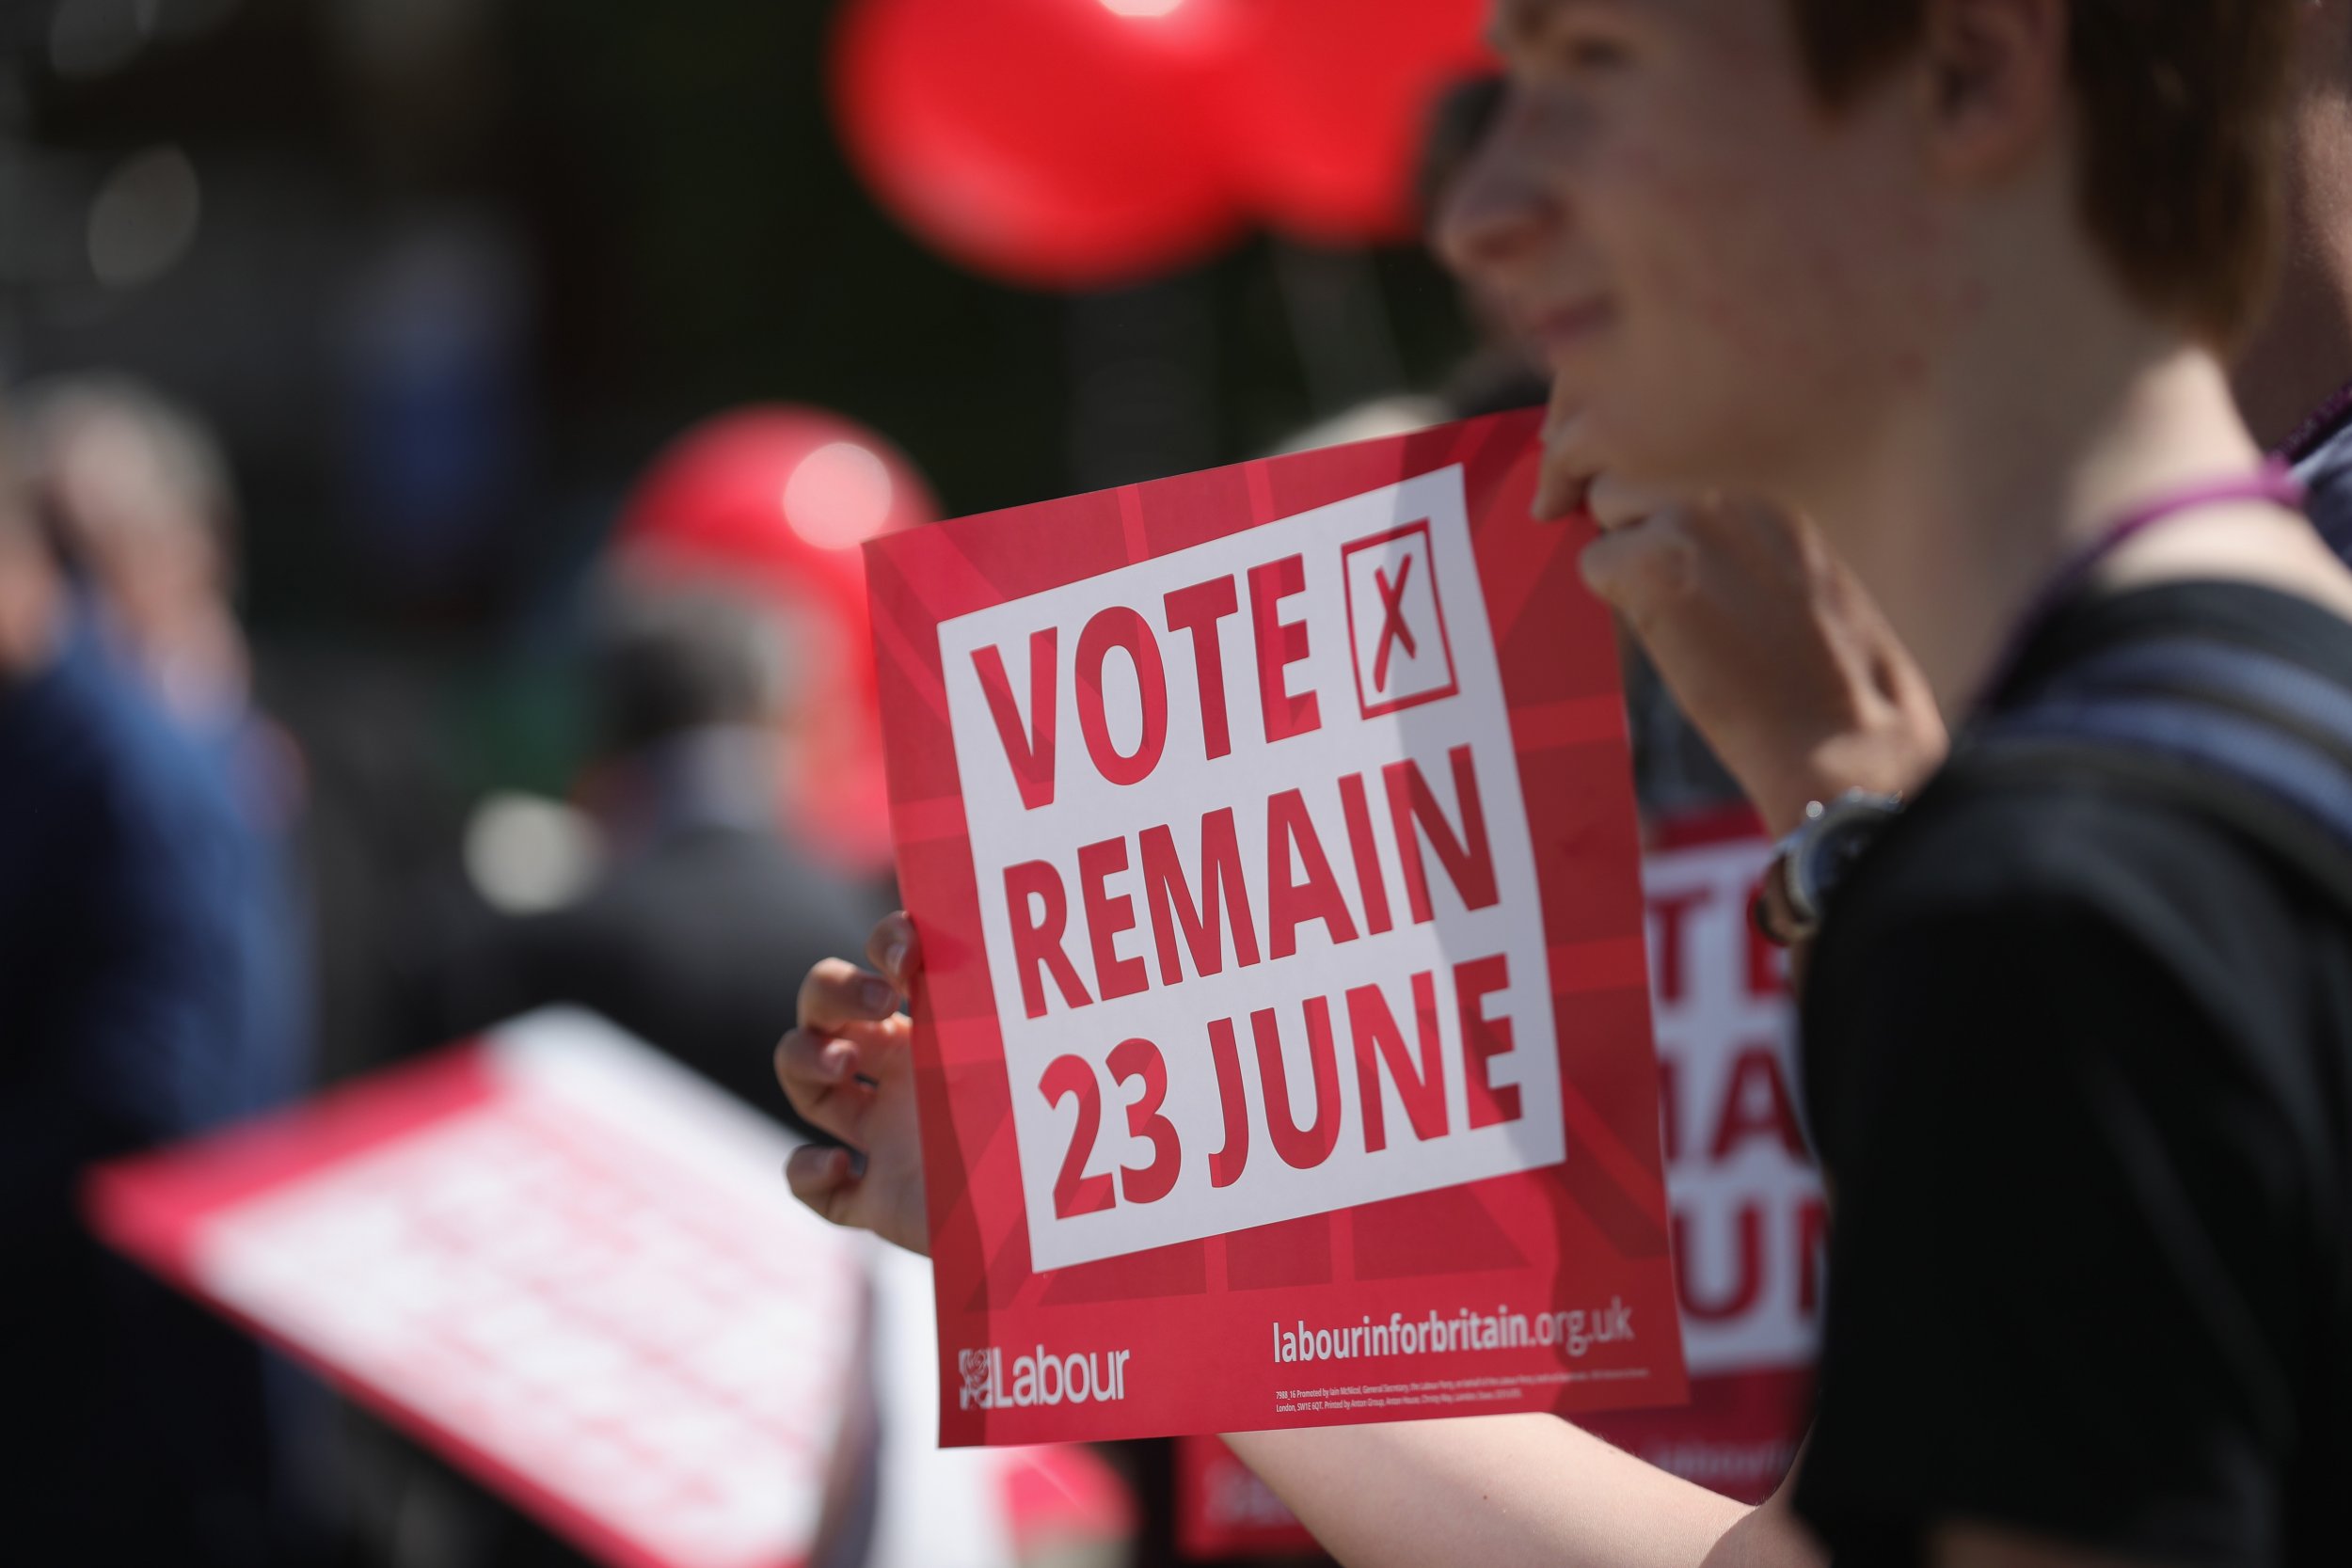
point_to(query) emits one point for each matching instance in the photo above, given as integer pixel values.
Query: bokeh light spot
(145, 218)
(525, 854)
(839, 497)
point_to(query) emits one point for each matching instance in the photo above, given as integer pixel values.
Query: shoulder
(76, 744)
(2017, 930)
(2325, 471)
(2058, 1039)
(147, 805)
(2075, 869)
(2052, 854)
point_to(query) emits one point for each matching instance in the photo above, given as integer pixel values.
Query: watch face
(1837, 843)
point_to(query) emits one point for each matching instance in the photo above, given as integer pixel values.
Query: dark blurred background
(442, 280)
(446, 274)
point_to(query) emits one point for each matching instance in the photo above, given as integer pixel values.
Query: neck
(2302, 354)
(1983, 487)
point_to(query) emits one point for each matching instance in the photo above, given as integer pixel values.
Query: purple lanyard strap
(2274, 483)
(2324, 421)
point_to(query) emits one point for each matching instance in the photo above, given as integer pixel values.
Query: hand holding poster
(1284, 1052)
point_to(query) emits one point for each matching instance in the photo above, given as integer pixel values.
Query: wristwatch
(1814, 858)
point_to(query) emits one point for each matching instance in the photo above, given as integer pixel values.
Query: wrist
(1789, 804)
(1896, 761)
(1793, 901)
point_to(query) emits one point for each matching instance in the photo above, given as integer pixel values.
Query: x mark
(1392, 628)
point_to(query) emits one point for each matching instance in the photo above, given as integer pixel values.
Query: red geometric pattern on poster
(1148, 1236)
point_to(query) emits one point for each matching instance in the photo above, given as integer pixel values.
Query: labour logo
(1040, 1378)
(981, 1369)
(1396, 619)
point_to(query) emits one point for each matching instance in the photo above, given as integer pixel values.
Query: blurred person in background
(140, 504)
(696, 937)
(139, 496)
(140, 1429)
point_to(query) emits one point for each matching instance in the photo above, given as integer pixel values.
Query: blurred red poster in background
(1223, 1510)
(1751, 1226)
(1284, 1049)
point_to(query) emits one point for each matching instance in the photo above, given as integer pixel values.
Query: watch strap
(1773, 911)
(1789, 903)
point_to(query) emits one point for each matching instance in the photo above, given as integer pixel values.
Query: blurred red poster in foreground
(1283, 1051)
(560, 1260)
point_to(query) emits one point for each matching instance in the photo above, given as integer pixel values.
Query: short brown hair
(2183, 108)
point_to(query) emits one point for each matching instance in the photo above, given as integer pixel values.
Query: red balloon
(1326, 105)
(775, 502)
(1051, 143)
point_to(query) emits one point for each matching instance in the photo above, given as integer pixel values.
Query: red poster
(1751, 1226)
(1223, 1510)
(561, 1260)
(1284, 1051)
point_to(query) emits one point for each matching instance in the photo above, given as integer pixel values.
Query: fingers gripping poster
(1284, 1049)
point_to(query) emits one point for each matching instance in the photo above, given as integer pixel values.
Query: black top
(2080, 1065)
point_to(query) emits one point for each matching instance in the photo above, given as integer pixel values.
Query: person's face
(1722, 276)
(151, 553)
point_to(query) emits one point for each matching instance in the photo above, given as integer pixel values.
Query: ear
(1996, 83)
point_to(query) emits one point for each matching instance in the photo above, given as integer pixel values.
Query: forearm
(1505, 1491)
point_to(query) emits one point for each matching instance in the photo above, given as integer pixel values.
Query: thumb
(1567, 465)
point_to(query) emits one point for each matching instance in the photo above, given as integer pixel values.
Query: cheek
(1730, 264)
(1760, 311)
(1787, 273)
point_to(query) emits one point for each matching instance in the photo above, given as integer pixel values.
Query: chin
(1653, 451)
(1730, 443)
